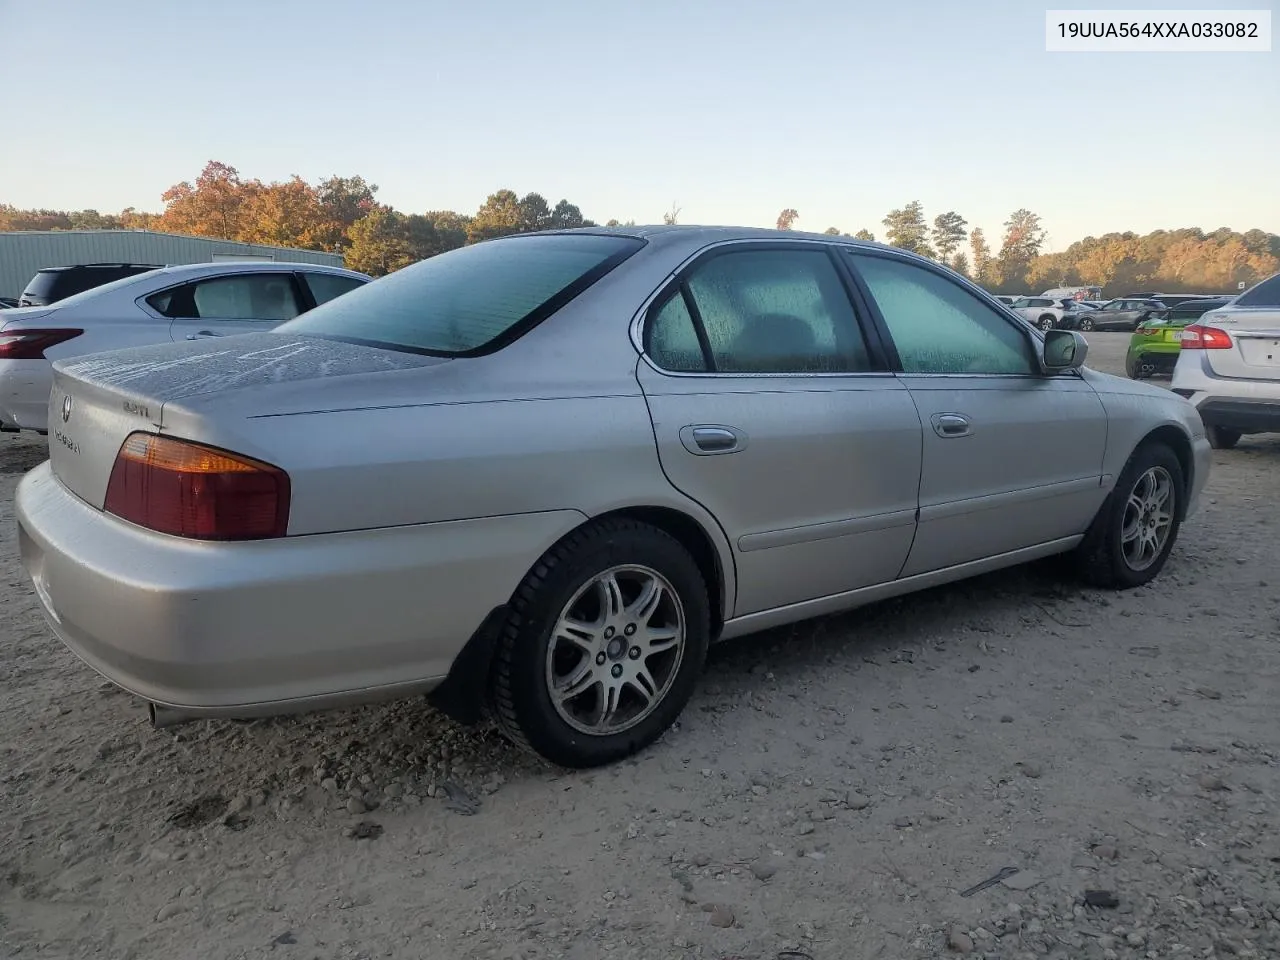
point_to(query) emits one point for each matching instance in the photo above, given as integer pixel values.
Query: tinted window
(938, 326)
(468, 298)
(246, 296)
(764, 311)
(1265, 294)
(325, 286)
(50, 286)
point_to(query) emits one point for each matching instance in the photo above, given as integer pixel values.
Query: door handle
(948, 425)
(707, 439)
(200, 335)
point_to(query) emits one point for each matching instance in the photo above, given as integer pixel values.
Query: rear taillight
(190, 490)
(1196, 336)
(31, 344)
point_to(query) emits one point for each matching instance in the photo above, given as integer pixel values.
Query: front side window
(471, 298)
(763, 311)
(938, 326)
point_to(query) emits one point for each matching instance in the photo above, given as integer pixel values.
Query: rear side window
(248, 296)
(325, 286)
(1265, 294)
(470, 299)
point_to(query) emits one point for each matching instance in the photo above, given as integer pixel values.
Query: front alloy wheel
(1086, 323)
(1134, 531)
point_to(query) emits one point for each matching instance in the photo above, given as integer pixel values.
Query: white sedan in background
(188, 302)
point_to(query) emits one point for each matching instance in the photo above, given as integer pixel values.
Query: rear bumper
(24, 394)
(300, 623)
(1247, 416)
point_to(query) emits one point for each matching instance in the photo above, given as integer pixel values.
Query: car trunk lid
(99, 399)
(1254, 353)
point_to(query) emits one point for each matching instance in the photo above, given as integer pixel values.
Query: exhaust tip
(162, 716)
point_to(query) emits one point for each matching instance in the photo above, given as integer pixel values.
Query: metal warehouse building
(24, 252)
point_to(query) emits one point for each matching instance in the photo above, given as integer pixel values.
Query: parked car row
(141, 306)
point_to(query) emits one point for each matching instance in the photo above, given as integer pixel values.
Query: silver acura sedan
(543, 473)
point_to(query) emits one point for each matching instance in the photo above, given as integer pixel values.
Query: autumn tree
(285, 214)
(501, 214)
(787, 218)
(980, 257)
(1023, 238)
(865, 234)
(567, 216)
(960, 262)
(379, 242)
(211, 207)
(906, 228)
(342, 201)
(948, 234)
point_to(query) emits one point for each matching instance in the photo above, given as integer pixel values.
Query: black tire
(1100, 559)
(1046, 323)
(1086, 324)
(1132, 369)
(1220, 438)
(522, 701)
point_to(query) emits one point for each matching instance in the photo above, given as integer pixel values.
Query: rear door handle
(201, 334)
(707, 439)
(949, 425)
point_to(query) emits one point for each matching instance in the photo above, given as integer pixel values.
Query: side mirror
(1063, 350)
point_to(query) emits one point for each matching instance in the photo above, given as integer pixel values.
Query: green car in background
(1153, 348)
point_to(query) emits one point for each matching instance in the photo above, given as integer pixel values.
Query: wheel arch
(1176, 440)
(464, 693)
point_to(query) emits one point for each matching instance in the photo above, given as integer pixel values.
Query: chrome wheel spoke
(611, 602)
(607, 705)
(646, 604)
(1148, 518)
(578, 683)
(643, 683)
(584, 636)
(658, 639)
(1131, 531)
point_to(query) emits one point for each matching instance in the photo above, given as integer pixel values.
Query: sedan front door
(1012, 457)
(772, 407)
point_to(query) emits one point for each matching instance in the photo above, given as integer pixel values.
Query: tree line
(343, 215)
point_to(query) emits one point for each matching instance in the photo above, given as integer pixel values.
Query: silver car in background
(569, 462)
(186, 302)
(1229, 365)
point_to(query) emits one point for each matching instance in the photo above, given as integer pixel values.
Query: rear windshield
(1265, 294)
(470, 299)
(58, 285)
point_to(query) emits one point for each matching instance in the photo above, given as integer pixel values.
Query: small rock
(700, 860)
(1006, 718)
(764, 869)
(1208, 693)
(959, 942)
(902, 822)
(856, 802)
(170, 910)
(329, 785)
(1022, 880)
(364, 830)
(392, 790)
(356, 806)
(1208, 781)
(1106, 851)
(285, 938)
(759, 789)
(1136, 939)
(1031, 769)
(721, 916)
(805, 829)
(1101, 898)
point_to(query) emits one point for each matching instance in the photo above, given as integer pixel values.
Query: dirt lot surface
(832, 789)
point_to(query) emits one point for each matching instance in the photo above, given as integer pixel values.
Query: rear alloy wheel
(1086, 323)
(1131, 537)
(1045, 323)
(1221, 438)
(606, 638)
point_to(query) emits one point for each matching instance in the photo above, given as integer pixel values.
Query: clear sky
(843, 109)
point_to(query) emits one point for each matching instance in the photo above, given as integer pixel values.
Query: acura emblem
(66, 408)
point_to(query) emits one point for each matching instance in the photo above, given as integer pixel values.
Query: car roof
(184, 270)
(697, 236)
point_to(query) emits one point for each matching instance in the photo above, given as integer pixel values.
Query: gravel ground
(831, 790)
